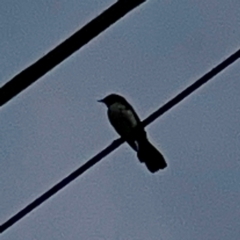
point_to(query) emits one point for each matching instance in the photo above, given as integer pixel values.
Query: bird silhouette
(126, 122)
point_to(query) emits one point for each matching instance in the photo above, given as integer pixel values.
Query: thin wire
(31, 74)
(190, 89)
(118, 142)
(60, 185)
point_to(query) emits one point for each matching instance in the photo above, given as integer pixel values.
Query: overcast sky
(56, 125)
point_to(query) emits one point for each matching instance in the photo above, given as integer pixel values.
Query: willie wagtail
(128, 125)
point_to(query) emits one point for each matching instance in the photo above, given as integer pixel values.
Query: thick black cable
(31, 74)
(118, 142)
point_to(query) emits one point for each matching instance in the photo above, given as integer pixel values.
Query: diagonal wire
(31, 74)
(60, 185)
(118, 142)
(190, 89)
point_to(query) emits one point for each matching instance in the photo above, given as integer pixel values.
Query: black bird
(128, 125)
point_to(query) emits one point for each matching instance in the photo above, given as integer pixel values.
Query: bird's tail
(148, 154)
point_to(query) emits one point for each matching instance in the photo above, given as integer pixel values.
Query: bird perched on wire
(128, 125)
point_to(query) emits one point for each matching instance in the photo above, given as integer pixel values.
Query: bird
(128, 125)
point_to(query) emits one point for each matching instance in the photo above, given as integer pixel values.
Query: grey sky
(56, 125)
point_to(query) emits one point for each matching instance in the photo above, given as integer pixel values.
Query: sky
(56, 125)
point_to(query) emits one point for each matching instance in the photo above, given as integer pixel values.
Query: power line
(31, 74)
(118, 142)
(190, 89)
(60, 185)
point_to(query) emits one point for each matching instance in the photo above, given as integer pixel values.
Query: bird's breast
(122, 119)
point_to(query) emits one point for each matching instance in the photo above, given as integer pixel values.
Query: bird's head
(111, 99)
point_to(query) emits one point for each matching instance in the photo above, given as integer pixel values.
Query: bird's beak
(101, 101)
